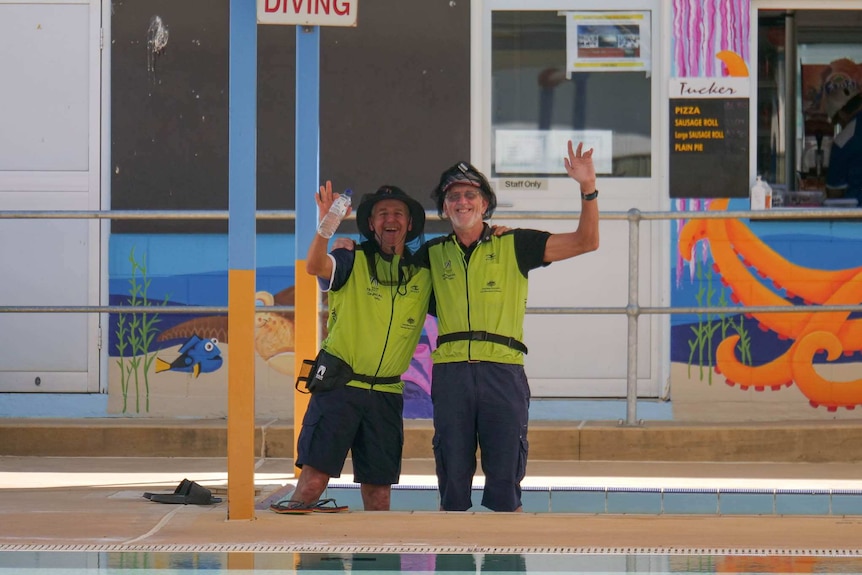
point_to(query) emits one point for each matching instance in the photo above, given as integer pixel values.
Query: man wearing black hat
(378, 302)
(479, 388)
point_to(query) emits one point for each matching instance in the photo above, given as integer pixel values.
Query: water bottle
(333, 217)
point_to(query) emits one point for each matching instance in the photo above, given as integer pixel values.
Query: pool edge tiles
(635, 500)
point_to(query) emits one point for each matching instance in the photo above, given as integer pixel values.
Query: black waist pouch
(324, 373)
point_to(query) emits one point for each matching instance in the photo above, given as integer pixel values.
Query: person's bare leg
(311, 484)
(376, 497)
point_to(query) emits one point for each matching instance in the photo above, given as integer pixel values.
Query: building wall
(395, 108)
(760, 366)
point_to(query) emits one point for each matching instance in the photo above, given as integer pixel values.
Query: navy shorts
(367, 423)
(483, 405)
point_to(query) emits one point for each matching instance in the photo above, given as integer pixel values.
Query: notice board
(709, 138)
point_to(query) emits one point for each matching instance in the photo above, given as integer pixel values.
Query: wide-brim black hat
(363, 212)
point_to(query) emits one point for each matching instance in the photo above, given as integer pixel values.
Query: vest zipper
(467, 292)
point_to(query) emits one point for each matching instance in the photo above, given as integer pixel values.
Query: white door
(553, 70)
(49, 160)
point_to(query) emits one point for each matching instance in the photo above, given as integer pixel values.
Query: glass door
(546, 72)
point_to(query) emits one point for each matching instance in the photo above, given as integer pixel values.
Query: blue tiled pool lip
(613, 489)
(708, 490)
(746, 490)
(636, 500)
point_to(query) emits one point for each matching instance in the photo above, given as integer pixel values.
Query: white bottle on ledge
(761, 195)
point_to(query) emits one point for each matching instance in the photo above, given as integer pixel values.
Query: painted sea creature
(273, 331)
(746, 264)
(197, 356)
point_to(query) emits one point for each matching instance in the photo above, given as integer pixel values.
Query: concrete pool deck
(97, 503)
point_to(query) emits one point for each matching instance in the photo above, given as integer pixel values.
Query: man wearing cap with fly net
(479, 388)
(377, 308)
(842, 83)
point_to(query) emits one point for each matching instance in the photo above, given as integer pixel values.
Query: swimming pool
(64, 562)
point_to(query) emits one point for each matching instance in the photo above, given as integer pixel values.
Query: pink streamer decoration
(709, 20)
(678, 61)
(725, 24)
(695, 31)
(680, 264)
(702, 28)
(693, 206)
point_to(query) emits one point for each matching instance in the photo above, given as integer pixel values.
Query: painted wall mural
(800, 360)
(703, 29)
(167, 364)
(754, 274)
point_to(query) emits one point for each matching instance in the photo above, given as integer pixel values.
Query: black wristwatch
(590, 197)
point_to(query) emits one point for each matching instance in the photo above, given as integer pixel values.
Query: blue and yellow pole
(307, 181)
(242, 187)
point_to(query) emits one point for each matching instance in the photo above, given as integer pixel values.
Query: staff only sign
(308, 12)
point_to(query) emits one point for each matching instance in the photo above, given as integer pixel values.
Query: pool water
(257, 563)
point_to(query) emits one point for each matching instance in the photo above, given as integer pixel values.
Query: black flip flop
(291, 507)
(327, 506)
(183, 487)
(294, 507)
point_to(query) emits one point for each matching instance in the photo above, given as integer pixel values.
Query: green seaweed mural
(135, 334)
(702, 345)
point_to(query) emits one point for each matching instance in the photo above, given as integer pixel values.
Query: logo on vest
(447, 271)
(373, 292)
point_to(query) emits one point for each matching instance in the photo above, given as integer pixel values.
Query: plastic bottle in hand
(333, 217)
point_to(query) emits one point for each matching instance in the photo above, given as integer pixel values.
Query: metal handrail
(773, 214)
(632, 309)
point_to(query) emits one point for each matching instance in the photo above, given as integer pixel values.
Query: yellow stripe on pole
(240, 394)
(307, 338)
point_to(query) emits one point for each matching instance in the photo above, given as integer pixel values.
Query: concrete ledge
(814, 442)
(794, 442)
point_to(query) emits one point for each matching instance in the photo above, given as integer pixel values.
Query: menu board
(709, 142)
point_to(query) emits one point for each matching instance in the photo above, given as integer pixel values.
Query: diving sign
(308, 12)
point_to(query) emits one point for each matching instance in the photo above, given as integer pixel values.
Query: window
(538, 101)
(803, 58)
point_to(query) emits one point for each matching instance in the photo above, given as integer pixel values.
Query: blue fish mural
(197, 356)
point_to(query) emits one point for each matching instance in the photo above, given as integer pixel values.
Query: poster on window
(607, 41)
(539, 152)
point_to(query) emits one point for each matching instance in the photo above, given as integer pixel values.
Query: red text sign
(308, 12)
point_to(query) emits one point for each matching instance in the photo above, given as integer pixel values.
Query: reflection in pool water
(236, 563)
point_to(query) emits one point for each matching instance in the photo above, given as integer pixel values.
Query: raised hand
(325, 197)
(579, 165)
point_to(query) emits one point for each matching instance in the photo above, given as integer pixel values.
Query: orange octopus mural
(745, 263)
